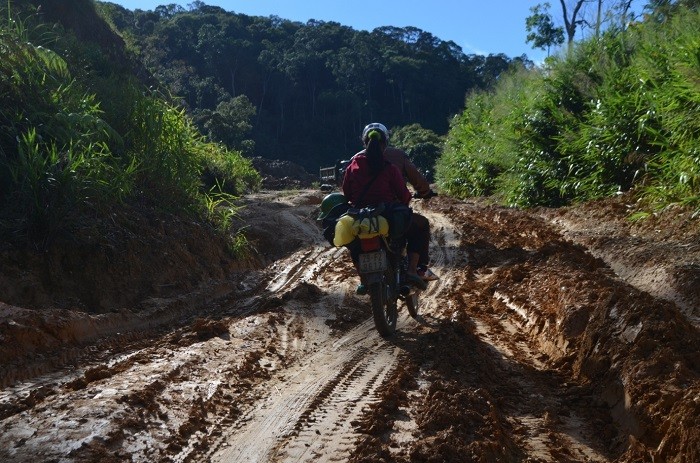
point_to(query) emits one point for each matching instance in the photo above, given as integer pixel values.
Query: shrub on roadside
(62, 159)
(616, 113)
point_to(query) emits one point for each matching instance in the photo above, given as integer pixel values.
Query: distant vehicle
(332, 177)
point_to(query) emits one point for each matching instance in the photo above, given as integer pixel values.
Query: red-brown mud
(563, 335)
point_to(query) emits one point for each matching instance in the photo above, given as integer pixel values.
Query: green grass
(616, 114)
(67, 154)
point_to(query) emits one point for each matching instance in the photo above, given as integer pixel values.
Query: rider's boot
(412, 274)
(426, 274)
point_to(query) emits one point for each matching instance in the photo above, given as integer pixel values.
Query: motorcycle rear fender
(369, 278)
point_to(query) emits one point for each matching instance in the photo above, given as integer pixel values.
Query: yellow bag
(347, 228)
(345, 231)
(373, 226)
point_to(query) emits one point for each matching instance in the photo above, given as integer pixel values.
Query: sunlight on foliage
(221, 211)
(617, 113)
(63, 158)
(481, 151)
(228, 170)
(54, 154)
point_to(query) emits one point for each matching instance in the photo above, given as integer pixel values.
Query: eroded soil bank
(552, 335)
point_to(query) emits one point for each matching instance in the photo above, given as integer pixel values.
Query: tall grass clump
(616, 113)
(163, 142)
(178, 168)
(227, 170)
(54, 155)
(668, 67)
(538, 119)
(483, 144)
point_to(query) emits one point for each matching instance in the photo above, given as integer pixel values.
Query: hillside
(301, 91)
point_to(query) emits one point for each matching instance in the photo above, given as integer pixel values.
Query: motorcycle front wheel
(383, 306)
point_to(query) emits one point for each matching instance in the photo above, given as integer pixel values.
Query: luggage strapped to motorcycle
(329, 222)
(372, 220)
(368, 212)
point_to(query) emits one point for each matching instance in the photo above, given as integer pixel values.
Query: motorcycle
(382, 264)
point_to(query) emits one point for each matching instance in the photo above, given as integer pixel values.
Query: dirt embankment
(567, 335)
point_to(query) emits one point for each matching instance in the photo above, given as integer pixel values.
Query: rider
(370, 179)
(419, 183)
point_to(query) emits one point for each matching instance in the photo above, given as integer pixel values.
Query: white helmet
(375, 126)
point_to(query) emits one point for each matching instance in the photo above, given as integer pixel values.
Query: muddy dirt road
(552, 336)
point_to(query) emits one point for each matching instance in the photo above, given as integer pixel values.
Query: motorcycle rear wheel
(384, 308)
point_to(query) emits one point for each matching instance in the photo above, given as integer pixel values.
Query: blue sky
(478, 26)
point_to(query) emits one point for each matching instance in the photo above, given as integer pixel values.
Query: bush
(228, 171)
(617, 113)
(63, 158)
(482, 147)
(423, 146)
(54, 156)
(668, 69)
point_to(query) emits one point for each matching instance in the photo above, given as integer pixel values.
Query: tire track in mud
(314, 413)
(574, 339)
(308, 404)
(305, 266)
(657, 280)
(544, 427)
(309, 414)
(446, 255)
(550, 429)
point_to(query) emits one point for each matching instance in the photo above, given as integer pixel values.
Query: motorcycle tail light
(370, 244)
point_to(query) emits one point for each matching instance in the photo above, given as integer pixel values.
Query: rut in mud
(529, 348)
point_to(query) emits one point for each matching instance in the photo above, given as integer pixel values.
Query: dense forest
(102, 108)
(301, 91)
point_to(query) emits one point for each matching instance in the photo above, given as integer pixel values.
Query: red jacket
(410, 172)
(388, 187)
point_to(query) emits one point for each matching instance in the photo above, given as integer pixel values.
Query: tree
(313, 85)
(230, 123)
(664, 9)
(543, 33)
(571, 23)
(616, 9)
(541, 30)
(574, 15)
(423, 146)
(168, 11)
